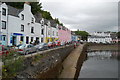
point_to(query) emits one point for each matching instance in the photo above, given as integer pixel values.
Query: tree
(118, 34)
(83, 34)
(57, 20)
(35, 6)
(46, 15)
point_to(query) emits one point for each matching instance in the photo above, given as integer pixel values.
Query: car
(57, 43)
(26, 48)
(62, 43)
(3, 50)
(49, 44)
(42, 46)
(53, 44)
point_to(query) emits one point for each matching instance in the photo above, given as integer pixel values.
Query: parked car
(42, 46)
(57, 43)
(49, 44)
(3, 50)
(62, 43)
(53, 44)
(26, 48)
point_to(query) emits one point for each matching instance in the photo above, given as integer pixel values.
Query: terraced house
(21, 25)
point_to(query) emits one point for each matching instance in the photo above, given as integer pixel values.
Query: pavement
(70, 63)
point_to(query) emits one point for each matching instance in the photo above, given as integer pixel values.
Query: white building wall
(3, 18)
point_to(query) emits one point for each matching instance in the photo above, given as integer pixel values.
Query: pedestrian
(75, 44)
(21, 42)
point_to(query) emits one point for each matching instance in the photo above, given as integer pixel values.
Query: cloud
(88, 15)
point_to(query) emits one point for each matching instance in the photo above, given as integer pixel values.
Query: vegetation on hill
(83, 34)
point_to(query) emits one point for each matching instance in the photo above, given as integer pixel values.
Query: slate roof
(93, 36)
(45, 21)
(13, 11)
(38, 17)
(113, 36)
(53, 23)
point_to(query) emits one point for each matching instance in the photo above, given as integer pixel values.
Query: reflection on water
(100, 64)
(103, 55)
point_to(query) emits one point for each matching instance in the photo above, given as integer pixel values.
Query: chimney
(27, 3)
(27, 6)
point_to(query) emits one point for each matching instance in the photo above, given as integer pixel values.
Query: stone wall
(49, 66)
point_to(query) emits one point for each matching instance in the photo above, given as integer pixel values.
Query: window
(31, 39)
(4, 11)
(32, 29)
(41, 40)
(21, 38)
(22, 28)
(27, 40)
(32, 20)
(42, 32)
(3, 24)
(48, 32)
(22, 16)
(3, 37)
(57, 33)
(53, 33)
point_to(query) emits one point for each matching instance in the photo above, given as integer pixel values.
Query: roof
(38, 17)
(53, 23)
(13, 11)
(93, 36)
(45, 21)
(113, 36)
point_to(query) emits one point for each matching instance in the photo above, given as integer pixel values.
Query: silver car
(42, 46)
(26, 48)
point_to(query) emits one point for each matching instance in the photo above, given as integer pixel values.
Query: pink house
(64, 34)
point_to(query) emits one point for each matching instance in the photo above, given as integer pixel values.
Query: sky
(85, 15)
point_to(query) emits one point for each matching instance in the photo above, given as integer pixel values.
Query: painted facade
(64, 34)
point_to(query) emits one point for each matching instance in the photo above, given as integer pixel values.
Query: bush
(11, 67)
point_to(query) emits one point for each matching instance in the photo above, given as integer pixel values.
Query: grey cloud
(85, 16)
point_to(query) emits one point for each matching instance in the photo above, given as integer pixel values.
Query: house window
(4, 11)
(31, 39)
(27, 40)
(32, 20)
(3, 24)
(57, 33)
(22, 28)
(41, 40)
(3, 37)
(53, 33)
(48, 32)
(42, 32)
(22, 16)
(32, 29)
(21, 38)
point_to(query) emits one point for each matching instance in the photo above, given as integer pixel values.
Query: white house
(3, 23)
(21, 25)
(100, 37)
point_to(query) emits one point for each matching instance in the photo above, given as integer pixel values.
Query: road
(70, 63)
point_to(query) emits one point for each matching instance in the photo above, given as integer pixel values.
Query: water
(102, 64)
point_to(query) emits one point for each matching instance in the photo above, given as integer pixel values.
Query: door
(27, 40)
(4, 41)
(14, 40)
